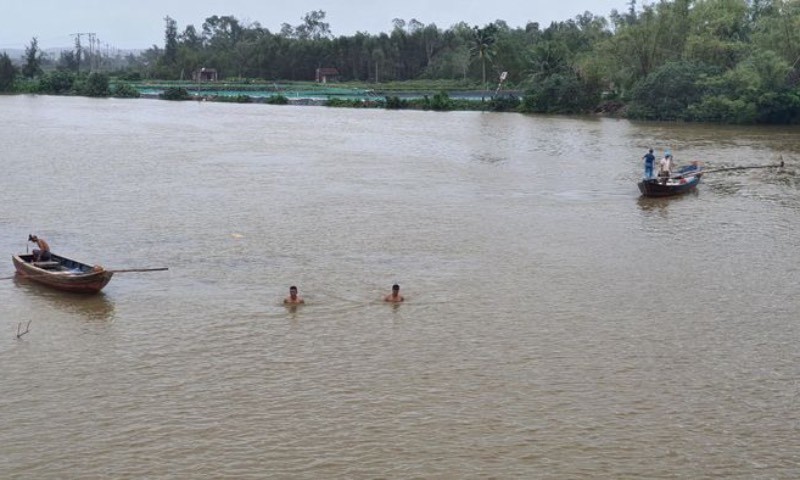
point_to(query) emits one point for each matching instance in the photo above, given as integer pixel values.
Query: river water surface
(556, 324)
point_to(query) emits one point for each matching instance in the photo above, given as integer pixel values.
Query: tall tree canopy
(712, 60)
(7, 73)
(33, 60)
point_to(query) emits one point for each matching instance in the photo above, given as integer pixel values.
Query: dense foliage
(277, 100)
(125, 90)
(7, 73)
(175, 93)
(33, 60)
(731, 61)
(96, 85)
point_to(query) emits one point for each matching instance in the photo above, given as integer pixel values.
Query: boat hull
(68, 276)
(655, 188)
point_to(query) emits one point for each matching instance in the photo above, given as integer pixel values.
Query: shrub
(779, 108)
(25, 85)
(7, 73)
(667, 93)
(440, 102)
(395, 103)
(126, 90)
(561, 93)
(96, 85)
(505, 103)
(234, 99)
(720, 109)
(348, 103)
(175, 93)
(57, 82)
(277, 100)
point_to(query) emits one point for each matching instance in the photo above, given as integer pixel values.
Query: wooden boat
(684, 181)
(63, 273)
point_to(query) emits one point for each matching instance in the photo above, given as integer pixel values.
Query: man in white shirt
(665, 167)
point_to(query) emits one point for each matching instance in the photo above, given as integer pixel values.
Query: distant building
(205, 75)
(327, 74)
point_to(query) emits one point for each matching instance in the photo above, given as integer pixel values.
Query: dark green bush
(126, 90)
(233, 98)
(395, 103)
(505, 103)
(667, 93)
(96, 85)
(7, 73)
(350, 103)
(779, 108)
(561, 93)
(720, 109)
(441, 102)
(57, 82)
(175, 93)
(277, 100)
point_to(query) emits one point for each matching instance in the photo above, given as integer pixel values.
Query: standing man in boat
(649, 164)
(395, 296)
(41, 254)
(665, 167)
(293, 298)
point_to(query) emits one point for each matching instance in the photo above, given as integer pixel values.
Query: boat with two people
(685, 178)
(668, 182)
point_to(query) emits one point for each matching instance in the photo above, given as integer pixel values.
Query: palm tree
(483, 46)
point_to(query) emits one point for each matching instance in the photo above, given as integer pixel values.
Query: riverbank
(336, 96)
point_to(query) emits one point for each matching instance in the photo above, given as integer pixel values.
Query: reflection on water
(730, 186)
(292, 309)
(489, 158)
(97, 307)
(661, 204)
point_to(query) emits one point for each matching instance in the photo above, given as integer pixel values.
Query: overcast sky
(140, 24)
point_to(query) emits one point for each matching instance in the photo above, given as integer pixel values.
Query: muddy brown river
(556, 325)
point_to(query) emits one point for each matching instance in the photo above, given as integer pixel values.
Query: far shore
(398, 96)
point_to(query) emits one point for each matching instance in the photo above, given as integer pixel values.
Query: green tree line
(728, 61)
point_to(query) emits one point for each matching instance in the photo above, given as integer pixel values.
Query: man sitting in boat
(41, 254)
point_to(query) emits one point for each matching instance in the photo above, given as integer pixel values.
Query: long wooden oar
(131, 270)
(726, 169)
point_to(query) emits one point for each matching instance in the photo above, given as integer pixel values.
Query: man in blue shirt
(649, 163)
